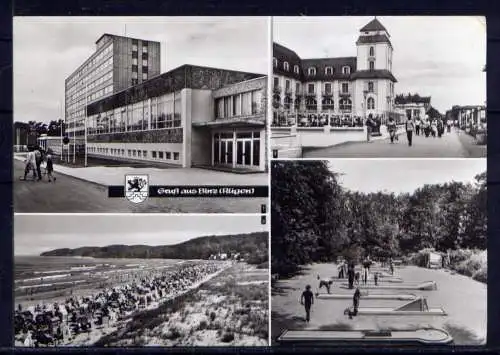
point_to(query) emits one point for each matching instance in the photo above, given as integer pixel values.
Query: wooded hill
(253, 244)
(314, 219)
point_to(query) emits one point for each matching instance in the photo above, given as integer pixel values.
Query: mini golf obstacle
(384, 279)
(399, 338)
(423, 286)
(415, 307)
(367, 296)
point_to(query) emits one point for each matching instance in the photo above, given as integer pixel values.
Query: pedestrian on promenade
(417, 126)
(38, 163)
(369, 128)
(30, 164)
(350, 275)
(355, 305)
(50, 168)
(391, 127)
(307, 300)
(410, 127)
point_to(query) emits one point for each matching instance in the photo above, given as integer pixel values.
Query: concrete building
(189, 116)
(23, 136)
(335, 91)
(414, 106)
(117, 63)
(52, 144)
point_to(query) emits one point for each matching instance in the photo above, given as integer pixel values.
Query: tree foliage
(313, 219)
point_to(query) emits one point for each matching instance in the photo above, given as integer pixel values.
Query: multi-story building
(412, 106)
(341, 91)
(188, 116)
(117, 63)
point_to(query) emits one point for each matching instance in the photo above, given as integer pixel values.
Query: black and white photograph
(140, 280)
(179, 99)
(377, 87)
(379, 252)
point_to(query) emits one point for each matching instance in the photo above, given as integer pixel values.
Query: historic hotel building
(189, 116)
(347, 89)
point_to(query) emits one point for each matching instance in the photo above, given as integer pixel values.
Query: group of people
(345, 270)
(33, 162)
(60, 322)
(430, 127)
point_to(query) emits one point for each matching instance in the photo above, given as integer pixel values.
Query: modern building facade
(117, 63)
(336, 91)
(190, 116)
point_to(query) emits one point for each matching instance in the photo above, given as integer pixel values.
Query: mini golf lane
(400, 297)
(415, 337)
(423, 286)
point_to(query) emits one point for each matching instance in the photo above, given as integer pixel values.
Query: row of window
(327, 103)
(106, 77)
(98, 58)
(311, 88)
(144, 62)
(311, 71)
(104, 67)
(134, 76)
(244, 104)
(164, 112)
(100, 93)
(135, 153)
(144, 47)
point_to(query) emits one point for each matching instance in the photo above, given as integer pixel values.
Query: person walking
(369, 128)
(417, 126)
(38, 163)
(307, 300)
(410, 127)
(50, 168)
(30, 164)
(391, 127)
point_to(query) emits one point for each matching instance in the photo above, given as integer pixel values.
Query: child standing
(50, 168)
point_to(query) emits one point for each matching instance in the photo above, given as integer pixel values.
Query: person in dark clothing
(38, 162)
(307, 300)
(325, 282)
(410, 127)
(350, 276)
(375, 278)
(355, 305)
(50, 168)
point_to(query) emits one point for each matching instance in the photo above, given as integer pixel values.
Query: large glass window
(165, 111)
(177, 110)
(247, 103)
(154, 113)
(257, 102)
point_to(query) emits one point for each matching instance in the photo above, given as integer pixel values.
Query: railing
(309, 94)
(277, 89)
(327, 93)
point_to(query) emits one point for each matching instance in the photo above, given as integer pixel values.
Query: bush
(227, 337)
(481, 275)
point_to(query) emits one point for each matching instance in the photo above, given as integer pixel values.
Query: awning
(231, 123)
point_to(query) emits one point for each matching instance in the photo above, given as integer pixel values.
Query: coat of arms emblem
(136, 188)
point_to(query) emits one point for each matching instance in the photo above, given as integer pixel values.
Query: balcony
(277, 89)
(288, 91)
(345, 94)
(310, 94)
(327, 93)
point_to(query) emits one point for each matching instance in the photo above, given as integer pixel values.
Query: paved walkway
(76, 195)
(450, 145)
(115, 175)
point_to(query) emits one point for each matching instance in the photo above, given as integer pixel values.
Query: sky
(34, 234)
(441, 57)
(403, 175)
(48, 49)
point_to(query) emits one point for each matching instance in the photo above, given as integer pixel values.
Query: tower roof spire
(373, 25)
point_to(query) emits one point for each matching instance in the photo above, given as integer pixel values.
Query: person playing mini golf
(307, 300)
